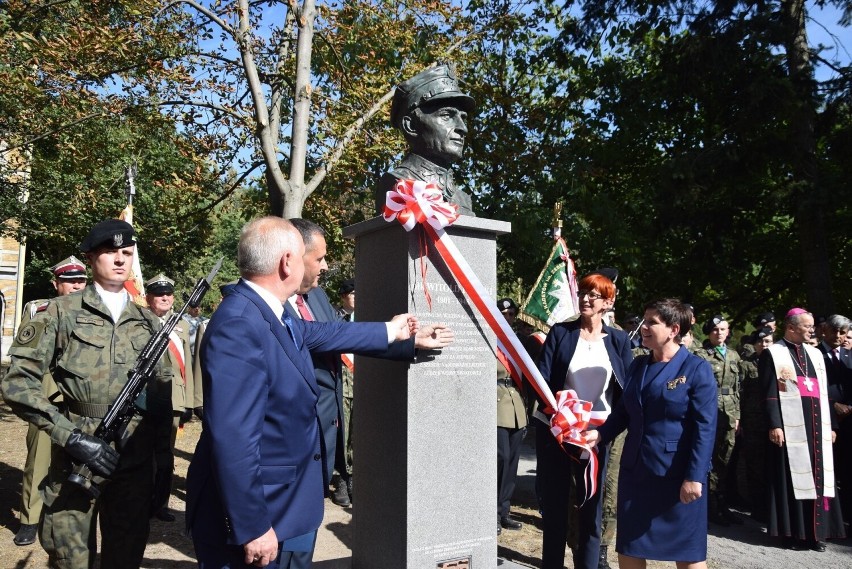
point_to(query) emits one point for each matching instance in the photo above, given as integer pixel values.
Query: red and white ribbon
(415, 202)
(569, 418)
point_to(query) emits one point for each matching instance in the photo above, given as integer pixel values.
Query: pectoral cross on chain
(809, 383)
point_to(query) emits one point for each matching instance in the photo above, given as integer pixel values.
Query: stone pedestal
(425, 480)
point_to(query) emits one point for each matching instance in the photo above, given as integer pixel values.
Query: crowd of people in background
(686, 434)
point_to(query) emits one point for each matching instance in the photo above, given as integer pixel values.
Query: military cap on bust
(161, 284)
(764, 319)
(505, 304)
(437, 83)
(109, 233)
(346, 287)
(70, 268)
(712, 323)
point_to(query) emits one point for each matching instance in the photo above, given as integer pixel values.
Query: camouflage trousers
(67, 531)
(722, 449)
(348, 453)
(610, 490)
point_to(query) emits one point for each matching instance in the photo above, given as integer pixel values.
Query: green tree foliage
(668, 137)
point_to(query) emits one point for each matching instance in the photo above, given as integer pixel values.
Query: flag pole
(133, 284)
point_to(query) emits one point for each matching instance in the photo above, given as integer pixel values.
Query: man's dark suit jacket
(258, 463)
(328, 369)
(838, 374)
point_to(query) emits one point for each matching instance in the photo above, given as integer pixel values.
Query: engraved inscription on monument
(450, 306)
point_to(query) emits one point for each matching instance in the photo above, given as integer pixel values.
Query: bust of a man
(431, 112)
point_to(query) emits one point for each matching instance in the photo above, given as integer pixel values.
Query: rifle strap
(93, 410)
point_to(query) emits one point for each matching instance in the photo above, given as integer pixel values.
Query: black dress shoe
(508, 523)
(817, 546)
(499, 529)
(732, 517)
(164, 515)
(340, 496)
(718, 519)
(26, 534)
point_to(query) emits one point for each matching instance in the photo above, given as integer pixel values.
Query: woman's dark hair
(672, 311)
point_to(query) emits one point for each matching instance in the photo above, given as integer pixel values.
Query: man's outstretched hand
(434, 337)
(403, 326)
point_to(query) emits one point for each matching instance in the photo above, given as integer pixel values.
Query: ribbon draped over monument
(414, 202)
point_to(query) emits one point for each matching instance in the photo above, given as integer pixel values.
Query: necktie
(304, 311)
(288, 323)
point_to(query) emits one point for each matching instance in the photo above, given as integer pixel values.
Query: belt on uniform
(93, 410)
(724, 391)
(505, 382)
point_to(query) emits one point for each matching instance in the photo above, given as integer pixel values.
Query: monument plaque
(425, 440)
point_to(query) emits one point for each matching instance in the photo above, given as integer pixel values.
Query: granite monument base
(425, 432)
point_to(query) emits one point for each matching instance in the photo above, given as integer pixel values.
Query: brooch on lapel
(787, 377)
(675, 382)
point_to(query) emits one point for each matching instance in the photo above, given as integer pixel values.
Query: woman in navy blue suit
(591, 358)
(669, 410)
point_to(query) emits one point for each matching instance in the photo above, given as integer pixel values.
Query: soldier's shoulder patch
(31, 332)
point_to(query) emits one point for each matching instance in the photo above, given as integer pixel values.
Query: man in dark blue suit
(311, 303)
(255, 484)
(838, 369)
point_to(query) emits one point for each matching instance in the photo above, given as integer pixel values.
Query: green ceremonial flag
(554, 297)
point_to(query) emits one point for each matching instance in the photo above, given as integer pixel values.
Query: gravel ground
(745, 546)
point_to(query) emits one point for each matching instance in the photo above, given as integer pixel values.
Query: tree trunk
(297, 193)
(806, 190)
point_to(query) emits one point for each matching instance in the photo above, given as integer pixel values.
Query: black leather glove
(93, 452)
(162, 489)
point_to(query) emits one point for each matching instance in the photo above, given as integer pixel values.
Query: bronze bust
(431, 112)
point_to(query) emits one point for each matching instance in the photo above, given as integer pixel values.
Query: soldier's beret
(764, 319)
(346, 287)
(113, 233)
(161, 284)
(712, 323)
(70, 268)
(505, 304)
(608, 272)
(434, 84)
(760, 334)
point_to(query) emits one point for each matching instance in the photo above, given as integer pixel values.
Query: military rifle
(114, 424)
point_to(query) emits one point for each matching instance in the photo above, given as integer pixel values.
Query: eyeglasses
(593, 296)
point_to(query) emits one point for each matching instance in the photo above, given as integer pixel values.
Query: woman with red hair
(591, 358)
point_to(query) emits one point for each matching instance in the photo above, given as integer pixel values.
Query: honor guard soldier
(431, 111)
(726, 366)
(89, 341)
(160, 297)
(69, 275)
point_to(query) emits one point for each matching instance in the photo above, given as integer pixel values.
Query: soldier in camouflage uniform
(69, 275)
(726, 369)
(754, 425)
(89, 341)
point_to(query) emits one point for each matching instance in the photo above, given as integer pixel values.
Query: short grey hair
(838, 322)
(308, 230)
(262, 244)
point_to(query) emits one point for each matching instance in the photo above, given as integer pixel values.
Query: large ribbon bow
(568, 420)
(413, 201)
